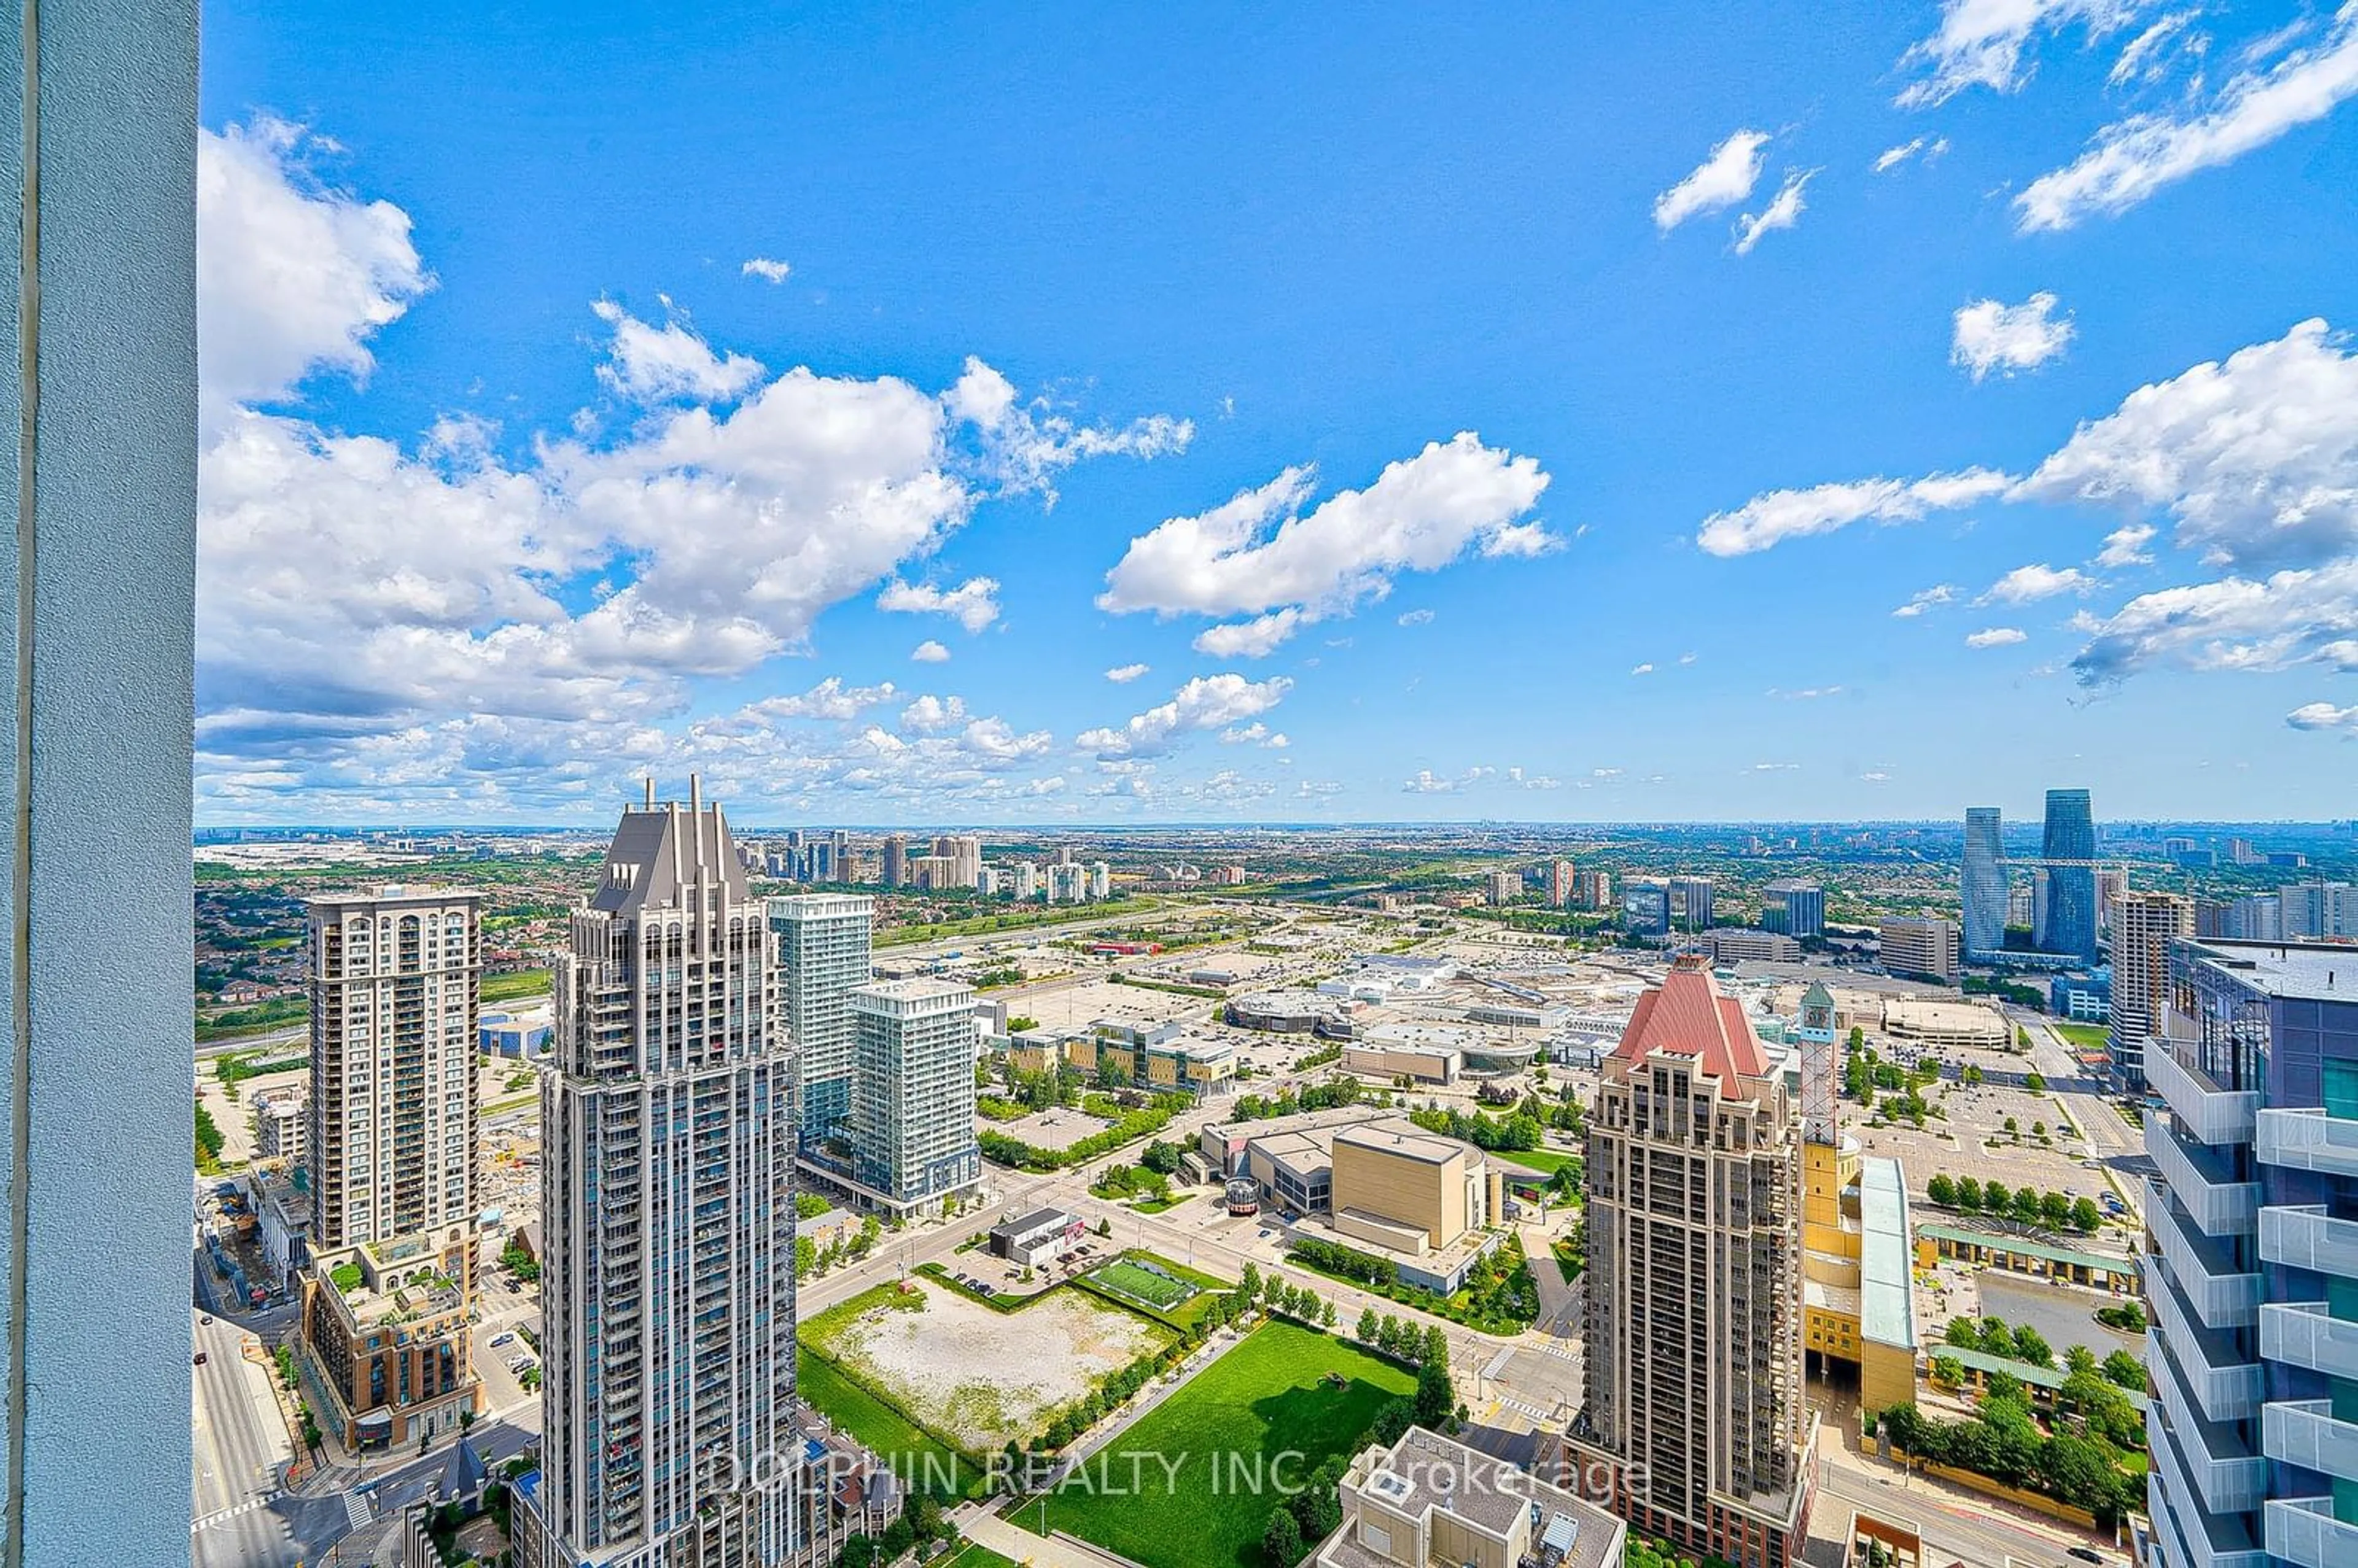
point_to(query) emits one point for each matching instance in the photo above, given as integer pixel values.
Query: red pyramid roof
(1688, 1016)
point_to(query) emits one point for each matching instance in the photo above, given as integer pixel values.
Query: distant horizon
(2323, 826)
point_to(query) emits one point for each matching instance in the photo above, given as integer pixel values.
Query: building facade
(2068, 847)
(913, 1139)
(1693, 1426)
(1981, 883)
(1646, 908)
(825, 949)
(385, 1328)
(2144, 925)
(1921, 944)
(2253, 1273)
(395, 986)
(1691, 903)
(1794, 909)
(668, 1213)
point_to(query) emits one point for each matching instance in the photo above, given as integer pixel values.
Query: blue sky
(1520, 415)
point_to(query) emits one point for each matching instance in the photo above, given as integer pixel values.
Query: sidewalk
(1014, 1542)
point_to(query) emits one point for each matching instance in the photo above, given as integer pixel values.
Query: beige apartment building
(1431, 1502)
(2142, 925)
(386, 1330)
(1693, 1426)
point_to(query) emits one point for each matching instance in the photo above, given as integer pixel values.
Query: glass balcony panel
(2305, 1432)
(2304, 1334)
(2303, 1531)
(2306, 1237)
(2308, 1140)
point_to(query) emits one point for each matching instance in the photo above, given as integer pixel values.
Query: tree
(1941, 1191)
(1995, 1196)
(1395, 1418)
(1280, 1543)
(1327, 1314)
(1997, 1337)
(2031, 1346)
(2026, 1205)
(1948, 1370)
(2084, 1217)
(859, 1552)
(1162, 1157)
(1105, 1227)
(1962, 1334)
(2038, 1130)
(2014, 1129)
(2035, 1083)
(1368, 1325)
(1249, 1283)
(2079, 1359)
(1968, 1193)
(2054, 1208)
(1434, 1397)
(2124, 1368)
(1436, 1344)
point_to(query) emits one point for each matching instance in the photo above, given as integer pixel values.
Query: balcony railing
(2306, 1334)
(2304, 1530)
(2204, 1111)
(2227, 1475)
(2223, 1536)
(2226, 1386)
(2220, 1296)
(2305, 1432)
(2309, 1140)
(2179, 1550)
(2306, 1237)
(2218, 1207)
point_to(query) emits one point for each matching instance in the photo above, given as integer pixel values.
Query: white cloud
(2144, 57)
(1260, 553)
(1687, 658)
(1938, 594)
(670, 362)
(766, 269)
(2324, 716)
(2257, 458)
(1775, 767)
(1206, 702)
(1989, 336)
(1776, 515)
(1254, 639)
(1806, 693)
(1526, 540)
(1522, 780)
(1723, 179)
(1122, 675)
(2130, 159)
(1930, 147)
(293, 275)
(1784, 211)
(829, 699)
(1416, 618)
(2307, 616)
(2126, 547)
(1026, 444)
(1255, 734)
(973, 604)
(1980, 43)
(1641, 670)
(2025, 584)
(930, 652)
(1996, 637)
(930, 714)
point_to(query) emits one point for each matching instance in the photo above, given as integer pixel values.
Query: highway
(240, 1446)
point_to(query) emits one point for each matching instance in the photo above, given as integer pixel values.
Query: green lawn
(1263, 1398)
(1128, 1279)
(980, 1557)
(2083, 1036)
(515, 985)
(1546, 1161)
(917, 1456)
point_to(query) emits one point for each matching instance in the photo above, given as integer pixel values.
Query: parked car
(505, 1337)
(199, 1360)
(2086, 1554)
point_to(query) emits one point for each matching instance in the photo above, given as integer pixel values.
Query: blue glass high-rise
(1982, 889)
(2069, 848)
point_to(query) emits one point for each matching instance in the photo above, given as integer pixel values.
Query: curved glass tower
(1983, 885)
(2069, 848)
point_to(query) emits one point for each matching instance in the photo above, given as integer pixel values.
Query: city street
(240, 1447)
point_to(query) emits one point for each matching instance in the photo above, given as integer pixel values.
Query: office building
(1559, 875)
(1691, 902)
(2312, 909)
(1646, 908)
(1737, 945)
(2144, 925)
(1693, 1421)
(1794, 909)
(2068, 849)
(1923, 946)
(2253, 1279)
(913, 1139)
(1981, 883)
(395, 986)
(1429, 1502)
(822, 951)
(669, 1215)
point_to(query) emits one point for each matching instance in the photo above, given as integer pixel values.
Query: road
(240, 1446)
(2109, 1137)
(1956, 1525)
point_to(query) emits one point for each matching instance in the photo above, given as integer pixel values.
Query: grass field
(2083, 1036)
(1546, 1161)
(515, 985)
(1266, 1397)
(980, 1557)
(917, 1456)
(1128, 1279)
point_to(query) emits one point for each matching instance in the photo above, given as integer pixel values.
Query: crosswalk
(225, 1515)
(1521, 1409)
(357, 1511)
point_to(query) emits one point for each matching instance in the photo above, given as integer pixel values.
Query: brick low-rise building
(384, 1332)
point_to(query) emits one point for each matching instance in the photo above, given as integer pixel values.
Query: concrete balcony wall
(2203, 1111)
(2217, 1206)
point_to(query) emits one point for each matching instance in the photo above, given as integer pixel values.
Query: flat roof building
(913, 1137)
(1429, 1502)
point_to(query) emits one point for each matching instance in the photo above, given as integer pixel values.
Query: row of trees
(1501, 1134)
(1004, 1149)
(1332, 1096)
(1347, 1262)
(2004, 1441)
(811, 1258)
(2048, 1210)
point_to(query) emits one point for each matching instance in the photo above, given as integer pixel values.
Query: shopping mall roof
(1887, 1313)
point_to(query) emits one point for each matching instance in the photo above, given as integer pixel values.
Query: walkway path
(1014, 1542)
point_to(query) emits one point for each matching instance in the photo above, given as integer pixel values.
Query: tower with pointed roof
(1693, 1426)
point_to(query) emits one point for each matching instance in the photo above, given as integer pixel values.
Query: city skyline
(1165, 505)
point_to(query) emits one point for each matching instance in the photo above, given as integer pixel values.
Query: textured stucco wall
(97, 547)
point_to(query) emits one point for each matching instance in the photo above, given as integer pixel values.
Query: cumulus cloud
(1255, 734)
(1777, 515)
(660, 364)
(2024, 585)
(1260, 554)
(1784, 211)
(2126, 547)
(1025, 445)
(1641, 670)
(973, 604)
(930, 652)
(1930, 598)
(1996, 637)
(1122, 675)
(1206, 702)
(2304, 616)
(765, 268)
(1930, 147)
(2324, 716)
(1416, 618)
(930, 714)
(293, 274)
(2130, 159)
(1254, 639)
(1989, 336)
(1720, 181)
